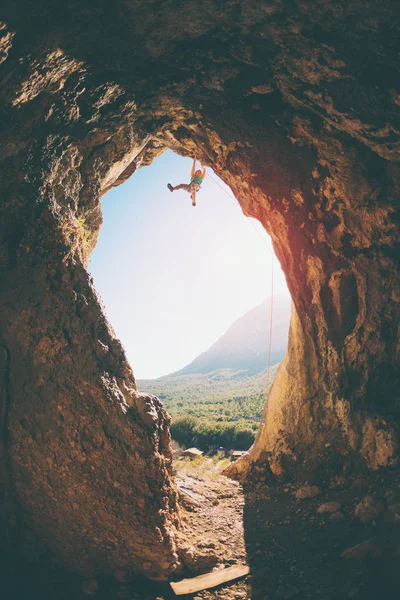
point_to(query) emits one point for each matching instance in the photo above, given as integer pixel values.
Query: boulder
(368, 509)
(328, 507)
(337, 516)
(198, 562)
(368, 549)
(307, 491)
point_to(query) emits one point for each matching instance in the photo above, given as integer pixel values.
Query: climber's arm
(193, 167)
(204, 173)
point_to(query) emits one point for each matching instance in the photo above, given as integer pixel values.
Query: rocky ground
(336, 540)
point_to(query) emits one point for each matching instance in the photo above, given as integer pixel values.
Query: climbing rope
(272, 283)
(270, 323)
(237, 203)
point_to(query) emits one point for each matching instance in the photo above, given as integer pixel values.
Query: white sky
(173, 277)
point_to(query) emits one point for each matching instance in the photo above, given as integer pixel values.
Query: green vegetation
(190, 431)
(203, 467)
(220, 409)
(84, 232)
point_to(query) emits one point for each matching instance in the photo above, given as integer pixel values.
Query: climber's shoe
(193, 200)
(169, 186)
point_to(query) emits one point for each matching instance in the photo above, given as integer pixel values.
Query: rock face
(296, 107)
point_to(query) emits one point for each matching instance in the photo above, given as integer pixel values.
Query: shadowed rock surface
(296, 107)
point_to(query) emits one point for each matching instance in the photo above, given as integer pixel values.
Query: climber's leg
(194, 188)
(181, 186)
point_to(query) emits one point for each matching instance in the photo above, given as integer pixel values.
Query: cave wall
(296, 107)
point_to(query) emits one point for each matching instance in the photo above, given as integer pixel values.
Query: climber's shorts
(194, 187)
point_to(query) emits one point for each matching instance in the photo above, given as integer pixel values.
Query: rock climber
(196, 179)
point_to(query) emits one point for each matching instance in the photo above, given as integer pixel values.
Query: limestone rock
(367, 549)
(295, 108)
(307, 491)
(337, 516)
(392, 513)
(187, 501)
(123, 575)
(198, 562)
(276, 467)
(368, 509)
(338, 482)
(328, 507)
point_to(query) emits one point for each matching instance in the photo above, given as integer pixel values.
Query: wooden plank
(209, 580)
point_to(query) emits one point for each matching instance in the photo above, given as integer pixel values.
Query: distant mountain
(244, 347)
(228, 381)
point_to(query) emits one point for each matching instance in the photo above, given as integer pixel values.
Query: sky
(174, 277)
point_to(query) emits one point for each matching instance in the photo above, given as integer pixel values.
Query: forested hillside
(218, 399)
(222, 408)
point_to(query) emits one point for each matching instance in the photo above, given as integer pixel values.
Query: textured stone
(276, 467)
(369, 549)
(328, 507)
(338, 482)
(368, 509)
(123, 575)
(198, 562)
(296, 108)
(337, 516)
(90, 587)
(392, 515)
(307, 491)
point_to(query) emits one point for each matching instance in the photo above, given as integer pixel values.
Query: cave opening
(296, 108)
(191, 302)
